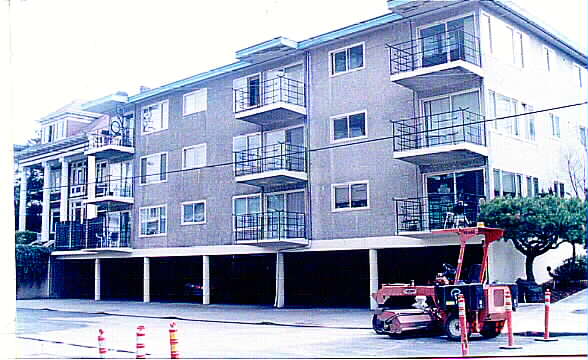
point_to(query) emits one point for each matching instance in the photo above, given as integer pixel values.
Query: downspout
(308, 80)
(414, 112)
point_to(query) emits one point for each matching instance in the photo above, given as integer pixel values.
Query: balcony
(437, 211)
(113, 191)
(272, 229)
(104, 145)
(451, 136)
(277, 102)
(270, 165)
(94, 234)
(448, 58)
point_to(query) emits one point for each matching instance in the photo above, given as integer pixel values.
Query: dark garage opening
(422, 264)
(243, 279)
(121, 279)
(170, 276)
(338, 278)
(73, 279)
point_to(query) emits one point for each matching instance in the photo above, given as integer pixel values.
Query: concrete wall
(32, 290)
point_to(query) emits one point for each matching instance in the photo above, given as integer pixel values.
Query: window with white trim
(153, 220)
(195, 101)
(350, 196)
(486, 29)
(194, 156)
(530, 130)
(579, 71)
(55, 180)
(154, 117)
(243, 206)
(554, 121)
(194, 212)
(347, 59)
(153, 168)
(583, 134)
(348, 126)
(547, 53)
(53, 132)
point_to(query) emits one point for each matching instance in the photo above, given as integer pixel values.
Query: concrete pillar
(374, 285)
(64, 190)
(49, 277)
(91, 210)
(45, 218)
(280, 291)
(97, 279)
(22, 210)
(205, 279)
(146, 277)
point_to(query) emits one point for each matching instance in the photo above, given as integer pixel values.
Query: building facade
(311, 172)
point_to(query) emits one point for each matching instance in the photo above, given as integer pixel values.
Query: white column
(49, 277)
(64, 190)
(146, 277)
(97, 279)
(280, 292)
(373, 254)
(45, 219)
(205, 279)
(22, 210)
(91, 210)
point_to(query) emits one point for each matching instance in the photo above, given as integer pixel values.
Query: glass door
(275, 223)
(470, 103)
(449, 41)
(285, 215)
(247, 153)
(274, 150)
(294, 85)
(434, 50)
(101, 178)
(437, 122)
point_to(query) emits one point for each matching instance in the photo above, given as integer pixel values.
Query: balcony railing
(116, 187)
(433, 50)
(271, 91)
(437, 211)
(270, 225)
(270, 157)
(446, 128)
(98, 140)
(92, 234)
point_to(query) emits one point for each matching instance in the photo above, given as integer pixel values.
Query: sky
(63, 50)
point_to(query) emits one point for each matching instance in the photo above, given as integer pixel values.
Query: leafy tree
(536, 225)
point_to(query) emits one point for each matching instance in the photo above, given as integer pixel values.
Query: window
(535, 186)
(194, 212)
(583, 136)
(554, 120)
(349, 126)
(55, 180)
(154, 117)
(509, 184)
(194, 156)
(195, 102)
(492, 107)
(347, 59)
(54, 214)
(547, 54)
(53, 132)
(497, 183)
(153, 220)
(529, 186)
(350, 196)
(77, 178)
(154, 168)
(559, 189)
(530, 132)
(579, 71)
(243, 206)
(505, 108)
(519, 50)
(487, 32)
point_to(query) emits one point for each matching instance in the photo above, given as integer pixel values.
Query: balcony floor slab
(450, 74)
(442, 154)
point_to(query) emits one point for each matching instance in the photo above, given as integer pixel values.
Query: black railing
(433, 50)
(110, 186)
(280, 89)
(437, 211)
(270, 225)
(92, 234)
(446, 128)
(100, 139)
(270, 157)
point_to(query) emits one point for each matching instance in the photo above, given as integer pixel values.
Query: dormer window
(53, 132)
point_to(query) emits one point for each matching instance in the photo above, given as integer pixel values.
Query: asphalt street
(59, 334)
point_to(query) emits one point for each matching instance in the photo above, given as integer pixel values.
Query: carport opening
(121, 279)
(176, 279)
(327, 279)
(73, 279)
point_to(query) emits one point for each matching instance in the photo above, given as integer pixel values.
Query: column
(91, 210)
(280, 292)
(64, 190)
(49, 277)
(97, 279)
(374, 286)
(45, 219)
(146, 277)
(22, 210)
(205, 280)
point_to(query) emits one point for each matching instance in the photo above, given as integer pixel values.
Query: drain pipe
(308, 80)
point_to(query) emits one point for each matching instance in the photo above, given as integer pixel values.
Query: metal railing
(270, 157)
(433, 50)
(98, 139)
(110, 186)
(452, 127)
(271, 91)
(437, 211)
(270, 225)
(92, 234)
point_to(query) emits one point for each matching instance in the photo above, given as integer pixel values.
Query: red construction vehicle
(436, 305)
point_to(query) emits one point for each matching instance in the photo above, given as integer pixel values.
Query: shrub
(570, 271)
(31, 264)
(25, 237)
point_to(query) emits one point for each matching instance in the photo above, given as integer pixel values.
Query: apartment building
(311, 172)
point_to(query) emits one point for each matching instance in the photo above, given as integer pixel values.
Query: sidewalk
(567, 317)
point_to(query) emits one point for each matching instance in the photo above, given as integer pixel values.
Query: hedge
(31, 264)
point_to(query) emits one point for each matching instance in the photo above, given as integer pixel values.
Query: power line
(329, 147)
